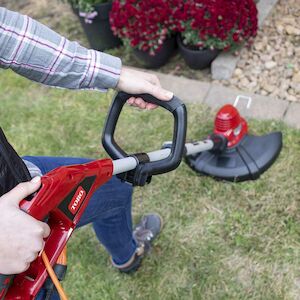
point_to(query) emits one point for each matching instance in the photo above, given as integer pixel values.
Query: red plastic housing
(63, 197)
(230, 124)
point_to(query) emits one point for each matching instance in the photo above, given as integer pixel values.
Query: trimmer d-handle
(147, 168)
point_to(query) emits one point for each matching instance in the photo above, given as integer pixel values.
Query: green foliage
(191, 38)
(86, 5)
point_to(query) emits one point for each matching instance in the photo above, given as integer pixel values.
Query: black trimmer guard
(246, 161)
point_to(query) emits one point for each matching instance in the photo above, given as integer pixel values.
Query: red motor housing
(229, 123)
(62, 199)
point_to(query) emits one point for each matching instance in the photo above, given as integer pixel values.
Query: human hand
(21, 236)
(137, 82)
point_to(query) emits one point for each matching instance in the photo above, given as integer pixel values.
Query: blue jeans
(109, 210)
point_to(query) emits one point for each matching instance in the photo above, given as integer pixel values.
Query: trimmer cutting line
(229, 153)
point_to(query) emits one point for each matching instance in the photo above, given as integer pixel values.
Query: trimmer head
(250, 158)
(245, 157)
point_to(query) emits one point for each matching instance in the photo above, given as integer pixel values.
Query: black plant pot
(160, 58)
(99, 33)
(196, 59)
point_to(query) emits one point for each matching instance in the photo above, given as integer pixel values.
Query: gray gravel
(272, 66)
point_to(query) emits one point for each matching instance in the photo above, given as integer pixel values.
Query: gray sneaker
(144, 233)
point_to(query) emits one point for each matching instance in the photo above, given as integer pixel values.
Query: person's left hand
(137, 82)
(21, 236)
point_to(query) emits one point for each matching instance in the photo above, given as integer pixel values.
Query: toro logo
(77, 200)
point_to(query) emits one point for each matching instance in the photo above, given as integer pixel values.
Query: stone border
(223, 66)
(214, 95)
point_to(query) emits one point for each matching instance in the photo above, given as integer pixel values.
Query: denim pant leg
(109, 209)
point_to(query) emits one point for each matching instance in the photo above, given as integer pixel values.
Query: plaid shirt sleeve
(40, 54)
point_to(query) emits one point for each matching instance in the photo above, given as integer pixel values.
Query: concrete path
(266, 108)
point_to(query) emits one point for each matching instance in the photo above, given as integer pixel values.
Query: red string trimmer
(229, 153)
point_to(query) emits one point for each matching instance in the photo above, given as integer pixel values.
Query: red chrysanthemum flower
(219, 24)
(214, 24)
(145, 24)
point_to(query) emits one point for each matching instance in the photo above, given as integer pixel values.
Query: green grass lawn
(220, 240)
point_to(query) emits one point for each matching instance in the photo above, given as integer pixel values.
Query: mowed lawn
(220, 240)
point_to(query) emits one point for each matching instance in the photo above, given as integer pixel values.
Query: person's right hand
(138, 82)
(21, 236)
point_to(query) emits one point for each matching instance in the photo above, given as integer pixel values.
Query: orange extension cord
(61, 259)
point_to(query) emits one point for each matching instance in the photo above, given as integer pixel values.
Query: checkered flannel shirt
(40, 54)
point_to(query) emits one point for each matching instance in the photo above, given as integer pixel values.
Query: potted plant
(208, 27)
(147, 27)
(94, 18)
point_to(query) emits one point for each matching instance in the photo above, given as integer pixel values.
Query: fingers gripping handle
(175, 106)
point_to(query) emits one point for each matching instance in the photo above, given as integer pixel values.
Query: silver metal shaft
(129, 163)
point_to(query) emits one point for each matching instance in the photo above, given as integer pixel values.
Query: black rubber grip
(168, 105)
(175, 106)
(5, 282)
